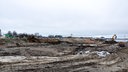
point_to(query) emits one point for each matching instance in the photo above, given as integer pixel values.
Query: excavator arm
(114, 37)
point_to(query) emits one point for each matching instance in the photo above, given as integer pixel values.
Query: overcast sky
(77, 17)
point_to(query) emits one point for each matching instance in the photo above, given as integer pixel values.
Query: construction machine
(111, 40)
(114, 37)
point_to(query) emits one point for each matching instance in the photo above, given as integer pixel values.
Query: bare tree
(14, 33)
(10, 33)
(0, 33)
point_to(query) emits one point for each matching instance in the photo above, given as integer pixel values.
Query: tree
(0, 33)
(14, 33)
(58, 36)
(9, 33)
(51, 36)
(36, 34)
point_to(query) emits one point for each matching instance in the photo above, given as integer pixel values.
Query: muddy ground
(71, 55)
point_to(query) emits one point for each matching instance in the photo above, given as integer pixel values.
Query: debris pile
(50, 40)
(62, 55)
(121, 44)
(32, 39)
(102, 53)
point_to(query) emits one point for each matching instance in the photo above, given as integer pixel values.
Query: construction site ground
(70, 55)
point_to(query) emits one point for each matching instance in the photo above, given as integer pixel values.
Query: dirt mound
(58, 55)
(50, 40)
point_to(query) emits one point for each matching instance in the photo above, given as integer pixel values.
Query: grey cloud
(79, 17)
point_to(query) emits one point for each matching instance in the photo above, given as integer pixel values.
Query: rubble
(50, 41)
(110, 42)
(121, 44)
(99, 53)
(102, 53)
(32, 39)
(62, 55)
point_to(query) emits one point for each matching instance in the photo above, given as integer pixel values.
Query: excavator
(114, 37)
(112, 40)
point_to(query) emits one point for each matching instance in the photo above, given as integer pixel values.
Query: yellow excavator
(114, 37)
(111, 40)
